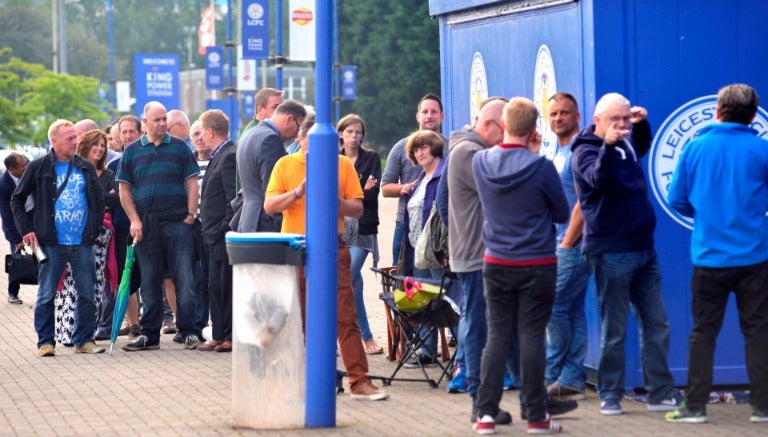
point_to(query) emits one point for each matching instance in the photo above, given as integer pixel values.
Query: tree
(52, 96)
(32, 97)
(395, 46)
(13, 76)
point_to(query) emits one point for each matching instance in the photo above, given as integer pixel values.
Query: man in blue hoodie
(721, 181)
(618, 242)
(521, 196)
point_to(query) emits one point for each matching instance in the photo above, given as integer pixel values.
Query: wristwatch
(194, 216)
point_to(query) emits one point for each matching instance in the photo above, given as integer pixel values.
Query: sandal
(372, 348)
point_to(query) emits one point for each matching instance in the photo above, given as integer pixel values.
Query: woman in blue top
(425, 149)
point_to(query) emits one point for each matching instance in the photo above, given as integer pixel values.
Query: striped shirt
(157, 174)
(203, 165)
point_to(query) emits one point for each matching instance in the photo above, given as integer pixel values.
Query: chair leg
(391, 334)
(445, 352)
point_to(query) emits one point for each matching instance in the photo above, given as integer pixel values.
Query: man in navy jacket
(15, 165)
(618, 242)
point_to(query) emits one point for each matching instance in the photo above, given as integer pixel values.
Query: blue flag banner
(156, 77)
(255, 33)
(214, 68)
(349, 82)
(248, 105)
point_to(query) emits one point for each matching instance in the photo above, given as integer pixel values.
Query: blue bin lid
(293, 240)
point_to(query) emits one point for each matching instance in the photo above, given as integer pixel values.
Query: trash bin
(268, 356)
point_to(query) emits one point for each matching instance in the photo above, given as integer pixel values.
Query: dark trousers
(519, 297)
(202, 284)
(220, 291)
(711, 287)
(13, 286)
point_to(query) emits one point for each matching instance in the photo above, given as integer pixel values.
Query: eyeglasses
(496, 123)
(298, 125)
(618, 118)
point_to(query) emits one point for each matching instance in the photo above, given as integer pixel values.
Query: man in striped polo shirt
(159, 192)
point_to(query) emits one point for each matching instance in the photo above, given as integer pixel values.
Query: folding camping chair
(440, 313)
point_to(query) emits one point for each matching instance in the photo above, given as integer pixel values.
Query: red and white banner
(302, 30)
(206, 32)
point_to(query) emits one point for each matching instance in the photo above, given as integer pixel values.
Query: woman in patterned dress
(93, 147)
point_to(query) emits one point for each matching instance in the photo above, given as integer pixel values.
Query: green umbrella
(121, 298)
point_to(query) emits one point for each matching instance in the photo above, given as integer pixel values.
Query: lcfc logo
(255, 14)
(674, 134)
(478, 86)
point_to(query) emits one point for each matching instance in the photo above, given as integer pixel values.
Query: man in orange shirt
(285, 193)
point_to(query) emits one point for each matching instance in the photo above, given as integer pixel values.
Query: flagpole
(322, 238)
(234, 124)
(279, 60)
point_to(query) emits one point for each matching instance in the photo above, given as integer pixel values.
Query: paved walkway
(173, 391)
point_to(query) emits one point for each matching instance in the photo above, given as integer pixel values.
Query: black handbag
(21, 268)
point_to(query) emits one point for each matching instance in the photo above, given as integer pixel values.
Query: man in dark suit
(218, 190)
(257, 153)
(15, 165)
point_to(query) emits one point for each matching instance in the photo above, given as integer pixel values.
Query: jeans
(83, 263)
(202, 303)
(106, 310)
(516, 297)
(567, 329)
(358, 259)
(473, 332)
(430, 343)
(397, 241)
(622, 280)
(711, 287)
(174, 246)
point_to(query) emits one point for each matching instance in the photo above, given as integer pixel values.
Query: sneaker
(15, 300)
(559, 392)
(366, 391)
(509, 383)
(502, 418)
(547, 426)
(669, 404)
(140, 344)
(102, 335)
(46, 350)
(421, 361)
(485, 426)
(169, 328)
(758, 417)
(178, 339)
(458, 383)
(684, 415)
(554, 408)
(191, 342)
(89, 348)
(611, 407)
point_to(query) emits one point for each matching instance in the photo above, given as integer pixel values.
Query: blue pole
(322, 239)
(234, 125)
(112, 91)
(336, 65)
(279, 44)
